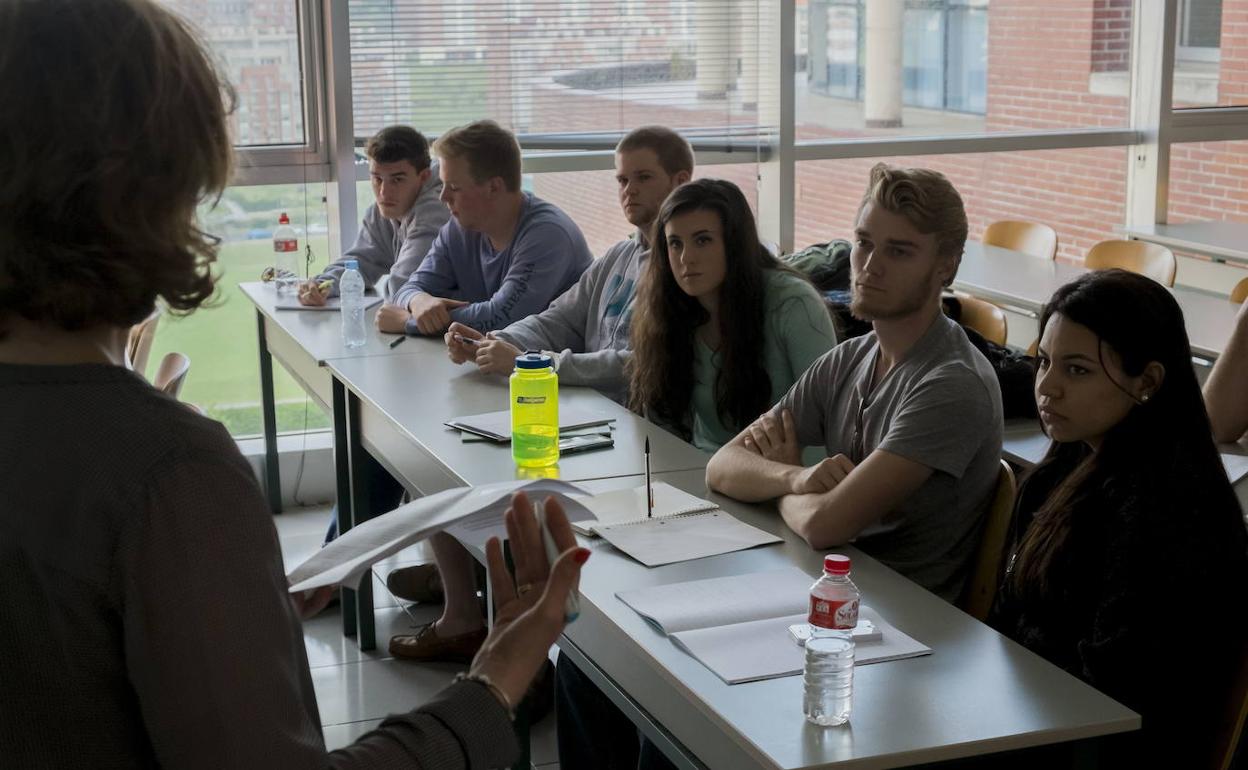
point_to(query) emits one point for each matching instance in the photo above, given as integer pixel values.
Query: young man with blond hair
(585, 330)
(910, 413)
(504, 255)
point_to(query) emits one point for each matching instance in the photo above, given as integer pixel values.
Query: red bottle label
(291, 244)
(829, 613)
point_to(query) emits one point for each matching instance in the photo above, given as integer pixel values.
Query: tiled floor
(355, 690)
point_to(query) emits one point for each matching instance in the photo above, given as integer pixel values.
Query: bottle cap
(836, 564)
(533, 360)
(351, 264)
(283, 219)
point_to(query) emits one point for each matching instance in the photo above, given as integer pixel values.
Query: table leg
(361, 511)
(272, 474)
(342, 491)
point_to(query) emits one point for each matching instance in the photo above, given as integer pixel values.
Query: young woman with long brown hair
(721, 329)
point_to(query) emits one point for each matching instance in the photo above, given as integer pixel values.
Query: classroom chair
(1028, 237)
(139, 346)
(981, 586)
(1147, 259)
(1240, 292)
(171, 374)
(984, 317)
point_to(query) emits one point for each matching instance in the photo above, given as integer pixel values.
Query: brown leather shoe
(426, 645)
(422, 583)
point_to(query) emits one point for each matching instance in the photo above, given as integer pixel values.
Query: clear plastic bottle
(286, 256)
(534, 411)
(829, 676)
(351, 293)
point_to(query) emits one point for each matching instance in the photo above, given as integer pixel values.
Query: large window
(258, 47)
(1079, 193)
(559, 67)
(220, 339)
(933, 67)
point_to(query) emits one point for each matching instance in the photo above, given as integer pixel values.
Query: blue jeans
(384, 494)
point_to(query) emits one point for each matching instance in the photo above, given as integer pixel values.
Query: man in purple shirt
(503, 256)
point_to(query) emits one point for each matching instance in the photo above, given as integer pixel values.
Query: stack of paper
(738, 626)
(496, 426)
(476, 511)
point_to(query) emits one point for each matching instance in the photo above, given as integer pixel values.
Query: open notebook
(738, 626)
(626, 506)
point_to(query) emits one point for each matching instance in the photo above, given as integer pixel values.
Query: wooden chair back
(1149, 259)
(984, 317)
(981, 587)
(1028, 237)
(139, 346)
(172, 373)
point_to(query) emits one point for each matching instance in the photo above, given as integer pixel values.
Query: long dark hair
(666, 319)
(1162, 453)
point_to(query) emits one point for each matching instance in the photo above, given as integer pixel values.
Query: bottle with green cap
(534, 411)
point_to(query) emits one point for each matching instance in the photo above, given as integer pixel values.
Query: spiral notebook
(684, 527)
(628, 506)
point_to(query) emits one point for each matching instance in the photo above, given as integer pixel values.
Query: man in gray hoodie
(400, 226)
(586, 329)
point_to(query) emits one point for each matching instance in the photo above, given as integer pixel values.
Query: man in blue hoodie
(504, 255)
(585, 330)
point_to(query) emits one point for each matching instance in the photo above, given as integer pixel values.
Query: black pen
(397, 342)
(649, 489)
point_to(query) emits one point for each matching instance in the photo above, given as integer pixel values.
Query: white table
(1024, 283)
(1227, 241)
(977, 693)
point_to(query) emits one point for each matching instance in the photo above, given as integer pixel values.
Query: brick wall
(1041, 57)
(1111, 35)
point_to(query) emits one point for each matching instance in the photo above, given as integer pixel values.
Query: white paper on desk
(1236, 466)
(722, 601)
(626, 506)
(763, 649)
(655, 542)
(333, 303)
(496, 426)
(349, 557)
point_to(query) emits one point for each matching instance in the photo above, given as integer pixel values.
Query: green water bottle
(534, 411)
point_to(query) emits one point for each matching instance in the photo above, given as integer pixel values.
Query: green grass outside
(220, 340)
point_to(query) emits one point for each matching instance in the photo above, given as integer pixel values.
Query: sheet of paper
(680, 538)
(345, 560)
(1236, 466)
(497, 425)
(764, 649)
(621, 506)
(677, 607)
(333, 303)
(592, 430)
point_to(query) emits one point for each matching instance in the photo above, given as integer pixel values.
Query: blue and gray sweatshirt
(544, 258)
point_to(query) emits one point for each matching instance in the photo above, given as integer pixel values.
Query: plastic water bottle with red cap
(286, 256)
(829, 677)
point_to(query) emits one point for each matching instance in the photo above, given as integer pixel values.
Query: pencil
(649, 488)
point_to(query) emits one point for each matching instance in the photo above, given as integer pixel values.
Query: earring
(1144, 398)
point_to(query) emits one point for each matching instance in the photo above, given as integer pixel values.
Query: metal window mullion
(1150, 110)
(972, 143)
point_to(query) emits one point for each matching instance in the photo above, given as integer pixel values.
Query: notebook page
(722, 601)
(622, 506)
(655, 542)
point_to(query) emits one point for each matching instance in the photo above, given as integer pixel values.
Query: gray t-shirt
(941, 407)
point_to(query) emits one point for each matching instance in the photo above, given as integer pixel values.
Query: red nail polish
(581, 555)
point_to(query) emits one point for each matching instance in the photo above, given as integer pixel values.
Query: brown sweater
(144, 619)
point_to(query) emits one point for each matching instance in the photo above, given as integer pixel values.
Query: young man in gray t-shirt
(910, 414)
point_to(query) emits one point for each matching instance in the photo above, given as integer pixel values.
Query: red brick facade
(1042, 55)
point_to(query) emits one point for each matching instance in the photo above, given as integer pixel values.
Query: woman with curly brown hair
(721, 329)
(146, 615)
